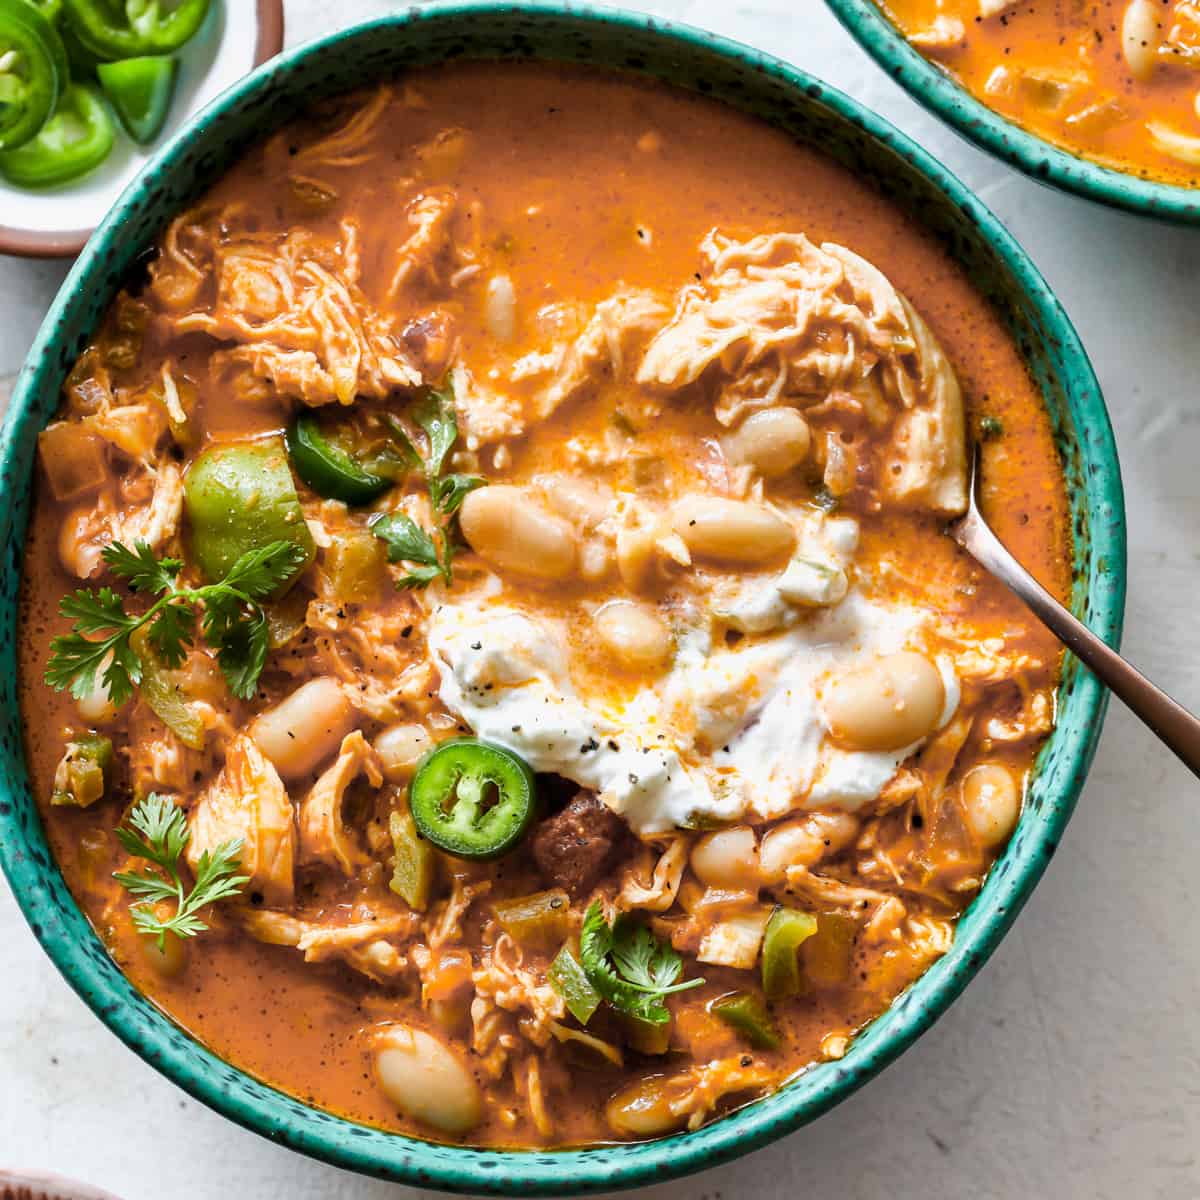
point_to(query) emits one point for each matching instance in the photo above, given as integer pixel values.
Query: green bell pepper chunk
(240, 497)
(33, 72)
(160, 689)
(83, 772)
(76, 140)
(567, 978)
(746, 1013)
(787, 930)
(135, 27)
(140, 90)
(827, 956)
(646, 1037)
(412, 875)
(537, 920)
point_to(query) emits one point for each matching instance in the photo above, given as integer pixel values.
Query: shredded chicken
(778, 319)
(656, 894)
(504, 980)
(297, 318)
(619, 326)
(247, 800)
(145, 506)
(829, 894)
(428, 218)
(324, 837)
(386, 676)
(367, 946)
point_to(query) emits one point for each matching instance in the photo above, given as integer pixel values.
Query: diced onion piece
(73, 459)
(1141, 34)
(735, 941)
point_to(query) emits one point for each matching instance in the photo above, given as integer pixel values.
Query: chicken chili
(1117, 81)
(492, 663)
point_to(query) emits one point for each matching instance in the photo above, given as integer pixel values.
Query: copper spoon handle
(1171, 722)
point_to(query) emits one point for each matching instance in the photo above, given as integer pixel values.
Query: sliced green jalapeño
(33, 71)
(330, 470)
(472, 799)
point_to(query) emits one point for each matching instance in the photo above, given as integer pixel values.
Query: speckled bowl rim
(1099, 590)
(1041, 160)
(66, 243)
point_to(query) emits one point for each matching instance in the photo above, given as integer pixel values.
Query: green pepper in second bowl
(240, 497)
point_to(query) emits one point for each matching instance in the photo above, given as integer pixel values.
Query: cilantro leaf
(259, 573)
(233, 621)
(629, 966)
(157, 832)
(420, 577)
(76, 657)
(403, 442)
(140, 568)
(436, 417)
(242, 652)
(644, 960)
(406, 540)
(449, 492)
(171, 633)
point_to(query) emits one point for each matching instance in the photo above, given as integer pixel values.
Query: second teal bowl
(814, 115)
(932, 87)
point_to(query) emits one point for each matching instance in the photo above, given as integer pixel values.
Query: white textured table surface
(1071, 1066)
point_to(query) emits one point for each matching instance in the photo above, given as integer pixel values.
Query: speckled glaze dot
(814, 115)
(938, 92)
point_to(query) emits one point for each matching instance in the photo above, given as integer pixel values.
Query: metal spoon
(1172, 723)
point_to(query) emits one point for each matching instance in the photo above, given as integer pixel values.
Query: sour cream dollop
(728, 732)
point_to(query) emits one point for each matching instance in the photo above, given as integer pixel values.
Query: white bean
(515, 533)
(642, 1110)
(500, 308)
(634, 634)
(886, 703)
(302, 731)
(772, 441)
(727, 858)
(991, 803)
(731, 531)
(803, 842)
(400, 748)
(425, 1080)
(1141, 33)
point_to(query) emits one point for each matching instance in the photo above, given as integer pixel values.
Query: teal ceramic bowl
(929, 85)
(811, 113)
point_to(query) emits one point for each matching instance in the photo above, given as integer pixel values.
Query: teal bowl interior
(814, 115)
(929, 85)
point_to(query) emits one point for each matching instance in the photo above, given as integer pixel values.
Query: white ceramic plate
(235, 38)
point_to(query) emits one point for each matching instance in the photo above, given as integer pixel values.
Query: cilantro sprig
(231, 619)
(429, 554)
(157, 831)
(629, 966)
